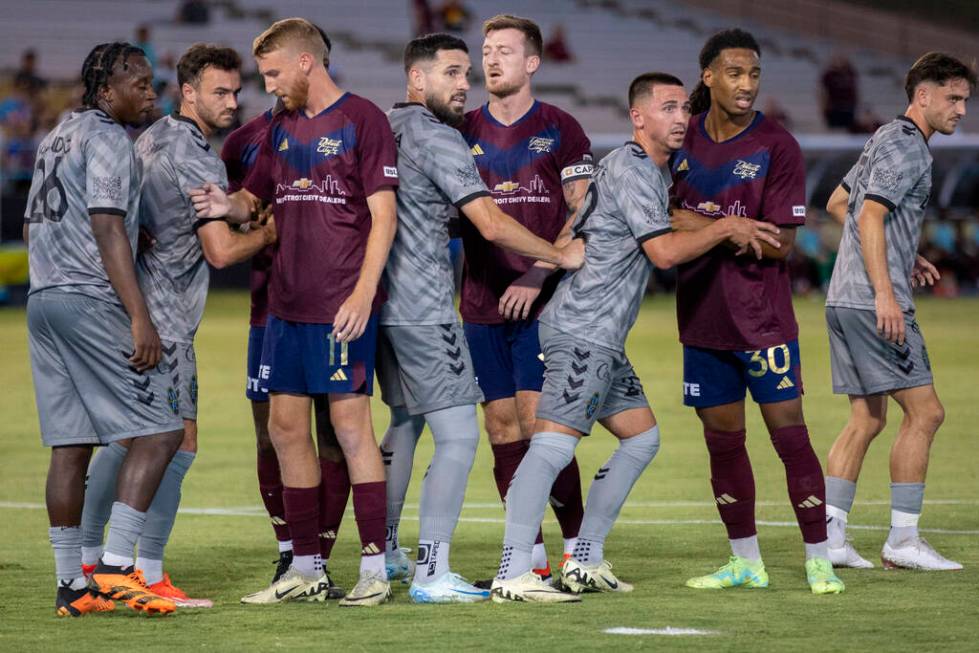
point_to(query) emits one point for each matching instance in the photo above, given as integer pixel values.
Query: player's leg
(100, 493)
(334, 487)
(923, 415)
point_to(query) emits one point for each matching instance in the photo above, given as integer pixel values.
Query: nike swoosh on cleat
(284, 594)
(610, 583)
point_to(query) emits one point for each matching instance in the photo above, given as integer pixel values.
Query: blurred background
(832, 73)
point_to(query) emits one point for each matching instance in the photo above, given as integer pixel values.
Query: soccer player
(239, 153)
(876, 347)
(329, 165)
(175, 157)
(93, 346)
(588, 377)
(424, 364)
(735, 313)
(536, 161)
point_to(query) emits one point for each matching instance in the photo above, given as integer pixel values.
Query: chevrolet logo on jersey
(683, 167)
(329, 146)
(284, 145)
(476, 150)
(708, 207)
(507, 187)
(302, 184)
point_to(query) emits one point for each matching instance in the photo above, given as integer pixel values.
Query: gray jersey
(627, 204)
(436, 174)
(895, 170)
(173, 274)
(86, 165)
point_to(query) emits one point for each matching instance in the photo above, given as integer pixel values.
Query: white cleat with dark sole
(579, 577)
(448, 588)
(370, 590)
(847, 556)
(915, 553)
(292, 586)
(531, 589)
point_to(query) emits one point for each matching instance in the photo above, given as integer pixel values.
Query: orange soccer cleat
(127, 585)
(166, 589)
(75, 603)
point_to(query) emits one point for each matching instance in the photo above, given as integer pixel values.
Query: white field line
(257, 511)
(669, 631)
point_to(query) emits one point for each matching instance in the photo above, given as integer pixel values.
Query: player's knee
(868, 427)
(929, 418)
(721, 444)
(642, 447)
(790, 441)
(503, 429)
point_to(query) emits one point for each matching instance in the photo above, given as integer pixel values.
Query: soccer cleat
(578, 577)
(292, 586)
(75, 603)
(370, 590)
(168, 590)
(544, 572)
(847, 556)
(398, 565)
(127, 585)
(915, 553)
(282, 565)
(738, 572)
(529, 588)
(448, 588)
(821, 578)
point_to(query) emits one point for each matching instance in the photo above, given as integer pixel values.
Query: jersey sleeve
(231, 155)
(575, 158)
(108, 169)
(644, 201)
(378, 154)
(259, 180)
(850, 178)
(896, 165)
(444, 157)
(784, 197)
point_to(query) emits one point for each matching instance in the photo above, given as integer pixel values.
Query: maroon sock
(334, 492)
(370, 511)
(303, 514)
(506, 458)
(733, 481)
(270, 485)
(566, 500)
(804, 476)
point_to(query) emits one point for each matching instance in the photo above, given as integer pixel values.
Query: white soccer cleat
(398, 565)
(292, 586)
(529, 588)
(915, 553)
(847, 556)
(579, 577)
(447, 588)
(370, 590)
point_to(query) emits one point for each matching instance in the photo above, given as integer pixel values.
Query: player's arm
(669, 248)
(353, 314)
(117, 257)
(873, 246)
(223, 246)
(837, 203)
(687, 220)
(212, 202)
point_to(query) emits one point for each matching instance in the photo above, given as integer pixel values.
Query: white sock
(904, 526)
(539, 557)
(73, 583)
(836, 526)
(569, 543)
(746, 547)
(114, 560)
(152, 570)
(373, 565)
(285, 546)
(433, 561)
(91, 555)
(817, 550)
(308, 566)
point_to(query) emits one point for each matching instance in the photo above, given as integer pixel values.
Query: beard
(215, 120)
(297, 96)
(444, 112)
(502, 88)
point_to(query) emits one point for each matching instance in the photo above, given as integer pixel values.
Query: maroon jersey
(524, 166)
(723, 301)
(239, 153)
(318, 172)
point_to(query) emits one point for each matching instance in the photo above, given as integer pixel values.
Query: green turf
(224, 557)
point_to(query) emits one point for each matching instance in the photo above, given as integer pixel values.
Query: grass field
(222, 545)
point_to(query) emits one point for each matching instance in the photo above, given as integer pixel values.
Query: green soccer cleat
(738, 572)
(822, 579)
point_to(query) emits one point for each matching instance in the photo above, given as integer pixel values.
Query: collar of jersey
(908, 120)
(489, 116)
(702, 125)
(340, 100)
(190, 121)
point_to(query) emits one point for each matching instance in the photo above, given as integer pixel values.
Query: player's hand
(573, 255)
(271, 235)
(520, 296)
(351, 319)
(924, 273)
(146, 345)
(890, 318)
(145, 241)
(210, 201)
(751, 234)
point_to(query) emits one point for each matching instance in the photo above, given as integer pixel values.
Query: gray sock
(609, 491)
(548, 454)
(398, 452)
(100, 492)
(67, 544)
(905, 498)
(163, 511)
(456, 434)
(840, 493)
(124, 530)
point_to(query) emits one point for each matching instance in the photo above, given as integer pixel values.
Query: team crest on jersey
(592, 405)
(540, 144)
(329, 146)
(746, 170)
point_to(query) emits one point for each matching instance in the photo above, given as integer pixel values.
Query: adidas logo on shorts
(339, 375)
(785, 384)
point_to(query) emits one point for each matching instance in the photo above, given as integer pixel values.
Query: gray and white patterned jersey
(894, 170)
(86, 165)
(173, 274)
(436, 174)
(627, 204)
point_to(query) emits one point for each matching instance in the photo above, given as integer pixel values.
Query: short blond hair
(296, 32)
(534, 42)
